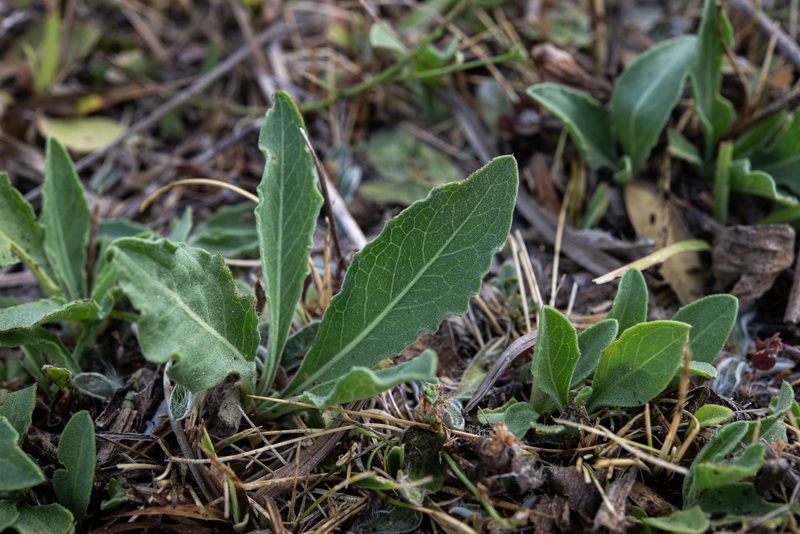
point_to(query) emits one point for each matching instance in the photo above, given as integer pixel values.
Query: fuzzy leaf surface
(45, 341)
(32, 314)
(19, 471)
(712, 319)
(77, 452)
(17, 407)
(630, 304)
(555, 355)
(425, 265)
(585, 119)
(190, 310)
(639, 365)
(728, 438)
(591, 342)
(285, 219)
(646, 92)
(47, 519)
(65, 216)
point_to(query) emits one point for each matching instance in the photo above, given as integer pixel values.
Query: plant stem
(475, 491)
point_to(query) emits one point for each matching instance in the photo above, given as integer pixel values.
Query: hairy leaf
(189, 310)
(77, 452)
(8, 514)
(17, 407)
(285, 219)
(45, 341)
(689, 521)
(723, 472)
(424, 265)
(630, 304)
(712, 320)
(32, 314)
(639, 365)
(19, 471)
(591, 342)
(646, 92)
(555, 356)
(728, 438)
(65, 216)
(518, 417)
(46, 519)
(585, 119)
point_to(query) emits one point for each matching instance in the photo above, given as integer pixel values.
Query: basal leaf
(23, 236)
(8, 513)
(17, 408)
(712, 320)
(77, 452)
(285, 219)
(723, 472)
(706, 370)
(19, 471)
(759, 136)
(736, 501)
(689, 521)
(555, 356)
(682, 148)
(189, 310)
(32, 314)
(591, 343)
(712, 414)
(45, 341)
(6, 256)
(518, 417)
(585, 119)
(230, 231)
(781, 160)
(46, 519)
(362, 383)
(639, 365)
(426, 264)
(728, 438)
(646, 92)
(744, 180)
(630, 304)
(65, 216)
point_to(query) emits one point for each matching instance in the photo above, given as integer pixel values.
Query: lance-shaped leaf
(630, 304)
(285, 218)
(65, 216)
(77, 452)
(426, 264)
(189, 310)
(555, 356)
(19, 471)
(646, 93)
(22, 235)
(592, 341)
(32, 314)
(586, 120)
(47, 519)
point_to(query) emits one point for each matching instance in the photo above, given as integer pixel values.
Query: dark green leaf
(591, 343)
(710, 475)
(759, 136)
(646, 92)
(19, 471)
(691, 521)
(45, 341)
(781, 160)
(231, 231)
(587, 121)
(555, 355)
(759, 183)
(736, 501)
(728, 438)
(47, 519)
(285, 218)
(425, 265)
(639, 365)
(77, 452)
(630, 304)
(17, 407)
(712, 320)
(116, 494)
(189, 310)
(32, 314)
(8, 513)
(65, 216)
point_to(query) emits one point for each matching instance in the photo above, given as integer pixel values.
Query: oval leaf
(646, 92)
(76, 451)
(426, 264)
(285, 218)
(584, 118)
(630, 304)
(712, 319)
(639, 365)
(189, 310)
(555, 355)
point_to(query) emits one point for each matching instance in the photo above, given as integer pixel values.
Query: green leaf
(32, 314)
(714, 112)
(17, 408)
(230, 231)
(722, 181)
(426, 264)
(518, 417)
(712, 414)
(639, 365)
(723, 472)
(48, 519)
(735, 501)
(19, 471)
(23, 235)
(759, 183)
(6, 256)
(682, 148)
(630, 304)
(65, 216)
(783, 402)
(362, 383)
(96, 385)
(477, 370)
(116, 494)
(591, 343)
(77, 452)
(781, 160)
(585, 119)
(555, 356)
(691, 521)
(712, 320)
(45, 341)
(8, 514)
(759, 136)
(728, 438)
(285, 218)
(706, 370)
(646, 92)
(189, 310)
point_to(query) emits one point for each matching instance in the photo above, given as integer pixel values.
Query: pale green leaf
(285, 219)
(230, 231)
(555, 355)
(23, 235)
(8, 513)
(6, 255)
(712, 320)
(712, 414)
(723, 472)
(706, 370)
(81, 134)
(691, 521)
(116, 494)
(425, 265)
(47, 519)
(32, 314)
(45, 341)
(744, 180)
(65, 216)
(722, 181)
(518, 417)
(727, 439)
(759, 136)
(646, 92)
(362, 383)
(630, 304)
(591, 342)
(781, 160)
(17, 407)
(639, 365)
(682, 148)
(189, 310)
(585, 119)
(76, 452)
(19, 471)
(738, 501)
